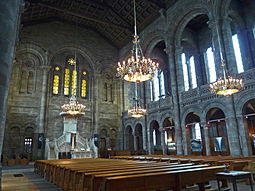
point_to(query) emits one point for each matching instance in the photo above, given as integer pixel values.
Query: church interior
(128, 83)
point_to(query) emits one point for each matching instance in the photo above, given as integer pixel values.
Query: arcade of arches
(182, 118)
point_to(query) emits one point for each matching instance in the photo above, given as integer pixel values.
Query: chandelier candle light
(225, 85)
(137, 68)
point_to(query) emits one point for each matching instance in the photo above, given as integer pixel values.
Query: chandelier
(137, 68)
(225, 85)
(73, 108)
(137, 111)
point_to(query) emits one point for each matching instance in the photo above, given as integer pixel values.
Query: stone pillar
(215, 45)
(244, 136)
(225, 38)
(9, 21)
(162, 137)
(145, 136)
(174, 59)
(150, 143)
(41, 125)
(233, 137)
(228, 45)
(135, 141)
(207, 138)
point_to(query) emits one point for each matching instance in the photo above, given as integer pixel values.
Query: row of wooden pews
(124, 175)
(236, 163)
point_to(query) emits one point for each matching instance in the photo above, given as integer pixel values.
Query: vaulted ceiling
(112, 19)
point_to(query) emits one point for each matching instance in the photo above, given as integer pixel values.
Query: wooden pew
(162, 180)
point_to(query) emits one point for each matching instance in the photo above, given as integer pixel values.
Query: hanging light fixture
(137, 111)
(225, 85)
(137, 68)
(73, 108)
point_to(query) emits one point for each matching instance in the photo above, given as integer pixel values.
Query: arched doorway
(155, 137)
(194, 132)
(129, 138)
(139, 138)
(28, 142)
(103, 143)
(249, 120)
(169, 133)
(215, 119)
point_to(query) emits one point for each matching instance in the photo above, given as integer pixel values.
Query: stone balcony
(203, 94)
(195, 96)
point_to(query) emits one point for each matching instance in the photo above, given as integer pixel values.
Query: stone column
(207, 138)
(174, 58)
(41, 125)
(225, 38)
(162, 137)
(45, 71)
(9, 21)
(228, 45)
(135, 141)
(145, 136)
(244, 136)
(215, 44)
(150, 143)
(233, 137)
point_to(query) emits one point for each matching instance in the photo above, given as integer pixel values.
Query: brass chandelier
(225, 85)
(137, 111)
(73, 108)
(137, 68)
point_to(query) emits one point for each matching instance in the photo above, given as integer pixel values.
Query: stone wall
(171, 28)
(32, 105)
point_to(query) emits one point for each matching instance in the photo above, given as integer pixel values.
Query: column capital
(46, 68)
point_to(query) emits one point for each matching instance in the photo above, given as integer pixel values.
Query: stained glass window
(55, 84)
(74, 82)
(83, 88)
(67, 81)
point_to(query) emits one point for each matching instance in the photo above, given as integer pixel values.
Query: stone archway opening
(156, 137)
(129, 139)
(248, 112)
(195, 40)
(194, 134)
(215, 120)
(139, 139)
(169, 133)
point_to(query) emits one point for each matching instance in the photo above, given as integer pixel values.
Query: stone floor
(22, 178)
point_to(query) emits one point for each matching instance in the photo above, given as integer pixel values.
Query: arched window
(238, 55)
(56, 79)
(166, 137)
(67, 81)
(209, 58)
(84, 84)
(74, 82)
(197, 131)
(158, 86)
(162, 85)
(185, 72)
(193, 72)
(30, 82)
(154, 137)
